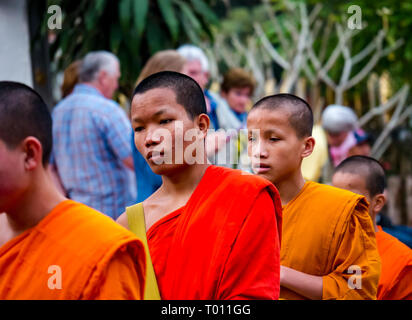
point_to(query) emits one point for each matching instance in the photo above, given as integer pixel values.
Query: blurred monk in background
(366, 176)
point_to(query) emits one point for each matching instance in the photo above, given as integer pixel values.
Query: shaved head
(369, 169)
(23, 113)
(300, 113)
(188, 93)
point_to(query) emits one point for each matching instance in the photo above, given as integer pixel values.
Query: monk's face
(275, 150)
(13, 180)
(165, 135)
(351, 182)
(357, 184)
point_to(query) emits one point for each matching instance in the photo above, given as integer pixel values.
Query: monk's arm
(356, 265)
(305, 284)
(122, 279)
(253, 266)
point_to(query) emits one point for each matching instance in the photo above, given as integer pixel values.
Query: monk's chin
(266, 175)
(168, 169)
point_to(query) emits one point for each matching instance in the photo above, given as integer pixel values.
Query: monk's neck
(290, 188)
(185, 181)
(36, 202)
(375, 225)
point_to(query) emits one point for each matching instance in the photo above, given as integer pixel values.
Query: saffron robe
(223, 244)
(396, 278)
(327, 230)
(74, 253)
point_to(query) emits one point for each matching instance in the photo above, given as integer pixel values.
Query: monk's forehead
(269, 115)
(358, 173)
(154, 97)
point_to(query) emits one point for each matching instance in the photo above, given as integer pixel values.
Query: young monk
(213, 233)
(327, 233)
(52, 247)
(366, 176)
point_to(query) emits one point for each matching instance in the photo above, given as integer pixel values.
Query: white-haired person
(91, 139)
(197, 67)
(337, 137)
(340, 124)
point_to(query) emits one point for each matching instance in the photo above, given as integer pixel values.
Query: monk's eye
(251, 139)
(138, 129)
(274, 139)
(166, 121)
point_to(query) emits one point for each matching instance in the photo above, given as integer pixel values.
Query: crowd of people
(190, 194)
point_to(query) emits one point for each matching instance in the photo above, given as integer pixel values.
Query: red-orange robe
(395, 282)
(224, 243)
(74, 253)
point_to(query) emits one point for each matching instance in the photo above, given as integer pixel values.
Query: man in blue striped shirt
(91, 148)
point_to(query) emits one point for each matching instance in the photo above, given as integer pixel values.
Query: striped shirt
(91, 138)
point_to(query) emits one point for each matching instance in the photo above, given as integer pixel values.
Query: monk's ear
(33, 153)
(203, 123)
(378, 203)
(309, 144)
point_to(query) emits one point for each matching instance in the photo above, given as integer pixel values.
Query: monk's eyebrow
(270, 131)
(160, 112)
(157, 114)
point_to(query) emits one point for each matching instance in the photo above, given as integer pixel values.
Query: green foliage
(394, 16)
(131, 29)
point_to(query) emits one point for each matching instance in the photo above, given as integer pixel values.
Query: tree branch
(385, 107)
(270, 49)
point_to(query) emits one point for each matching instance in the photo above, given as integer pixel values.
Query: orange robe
(326, 231)
(396, 278)
(75, 252)
(223, 244)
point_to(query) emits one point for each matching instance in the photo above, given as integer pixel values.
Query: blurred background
(323, 51)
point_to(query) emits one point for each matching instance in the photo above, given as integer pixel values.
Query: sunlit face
(110, 82)
(276, 152)
(194, 70)
(355, 183)
(161, 127)
(13, 181)
(336, 139)
(238, 98)
(351, 182)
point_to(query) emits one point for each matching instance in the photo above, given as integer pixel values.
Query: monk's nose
(259, 150)
(152, 138)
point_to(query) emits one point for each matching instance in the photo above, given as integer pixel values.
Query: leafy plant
(131, 29)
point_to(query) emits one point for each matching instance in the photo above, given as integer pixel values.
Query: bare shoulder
(122, 220)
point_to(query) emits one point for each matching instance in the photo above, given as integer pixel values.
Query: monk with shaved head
(52, 247)
(213, 233)
(366, 176)
(328, 248)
